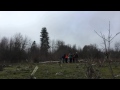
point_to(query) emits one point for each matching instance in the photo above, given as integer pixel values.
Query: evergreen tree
(33, 47)
(35, 52)
(44, 42)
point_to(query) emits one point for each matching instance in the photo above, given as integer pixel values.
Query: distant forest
(21, 49)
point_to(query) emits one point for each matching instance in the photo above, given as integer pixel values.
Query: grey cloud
(73, 27)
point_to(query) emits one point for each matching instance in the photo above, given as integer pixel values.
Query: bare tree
(4, 49)
(117, 46)
(18, 47)
(24, 43)
(4, 42)
(107, 42)
(52, 46)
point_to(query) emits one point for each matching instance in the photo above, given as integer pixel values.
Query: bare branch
(115, 36)
(97, 34)
(111, 42)
(118, 33)
(101, 36)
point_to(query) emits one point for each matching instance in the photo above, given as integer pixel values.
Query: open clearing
(54, 71)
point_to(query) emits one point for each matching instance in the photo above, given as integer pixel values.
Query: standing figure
(76, 57)
(66, 58)
(71, 58)
(63, 58)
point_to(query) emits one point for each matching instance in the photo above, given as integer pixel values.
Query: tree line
(22, 49)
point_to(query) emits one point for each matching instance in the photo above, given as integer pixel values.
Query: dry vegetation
(51, 70)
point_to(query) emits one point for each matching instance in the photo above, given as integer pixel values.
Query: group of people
(70, 58)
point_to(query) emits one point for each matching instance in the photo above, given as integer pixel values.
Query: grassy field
(54, 71)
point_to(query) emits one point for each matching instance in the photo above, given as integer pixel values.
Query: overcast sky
(73, 27)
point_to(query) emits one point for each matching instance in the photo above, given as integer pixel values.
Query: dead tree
(107, 48)
(91, 71)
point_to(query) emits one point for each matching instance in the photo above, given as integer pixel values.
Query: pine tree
(44, 42)
(33, 47)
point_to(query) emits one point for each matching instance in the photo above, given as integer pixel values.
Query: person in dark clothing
(63, 58)
(71, 58)
(76, 57)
